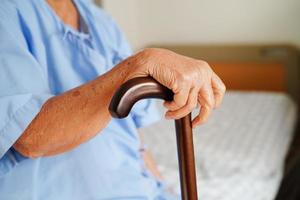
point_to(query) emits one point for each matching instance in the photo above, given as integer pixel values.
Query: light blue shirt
(41, 57)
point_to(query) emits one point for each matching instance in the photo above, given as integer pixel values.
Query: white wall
(207, 21)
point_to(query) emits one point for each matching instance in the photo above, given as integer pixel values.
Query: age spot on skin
(94, 89)
(75, 93)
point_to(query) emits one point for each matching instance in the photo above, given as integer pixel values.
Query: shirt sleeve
(23, 86)
(145, 111)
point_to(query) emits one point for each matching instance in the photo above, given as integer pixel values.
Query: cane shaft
(186, 159)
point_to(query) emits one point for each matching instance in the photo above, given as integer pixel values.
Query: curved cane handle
(134, 90)
(146, 87)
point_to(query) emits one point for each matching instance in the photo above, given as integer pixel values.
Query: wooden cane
(146, 87)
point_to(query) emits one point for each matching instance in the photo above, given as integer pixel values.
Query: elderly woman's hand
(192, 81)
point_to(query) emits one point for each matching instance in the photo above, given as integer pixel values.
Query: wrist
(138, 65)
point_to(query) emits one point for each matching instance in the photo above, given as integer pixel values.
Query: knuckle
(203, 64)
(223, 88)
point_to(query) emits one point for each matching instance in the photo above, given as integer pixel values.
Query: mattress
(239, 153)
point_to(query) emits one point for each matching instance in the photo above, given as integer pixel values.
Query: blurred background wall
(148, 22)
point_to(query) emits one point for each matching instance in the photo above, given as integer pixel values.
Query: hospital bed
(241, 153)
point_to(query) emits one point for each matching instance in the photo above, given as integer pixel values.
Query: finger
(202, 117)
(180, 97)
(206, 96)
(219, 89)
(206, 101)
(170, 105)
(190, 105)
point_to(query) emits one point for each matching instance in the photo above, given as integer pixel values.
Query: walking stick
(146, 87)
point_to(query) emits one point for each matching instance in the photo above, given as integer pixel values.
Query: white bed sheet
(240, 152)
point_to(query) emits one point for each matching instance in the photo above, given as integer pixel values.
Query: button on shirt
(41, 57)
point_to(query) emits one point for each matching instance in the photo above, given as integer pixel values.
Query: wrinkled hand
(192, 81)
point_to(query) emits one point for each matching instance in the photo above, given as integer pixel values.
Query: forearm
(69, 119)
